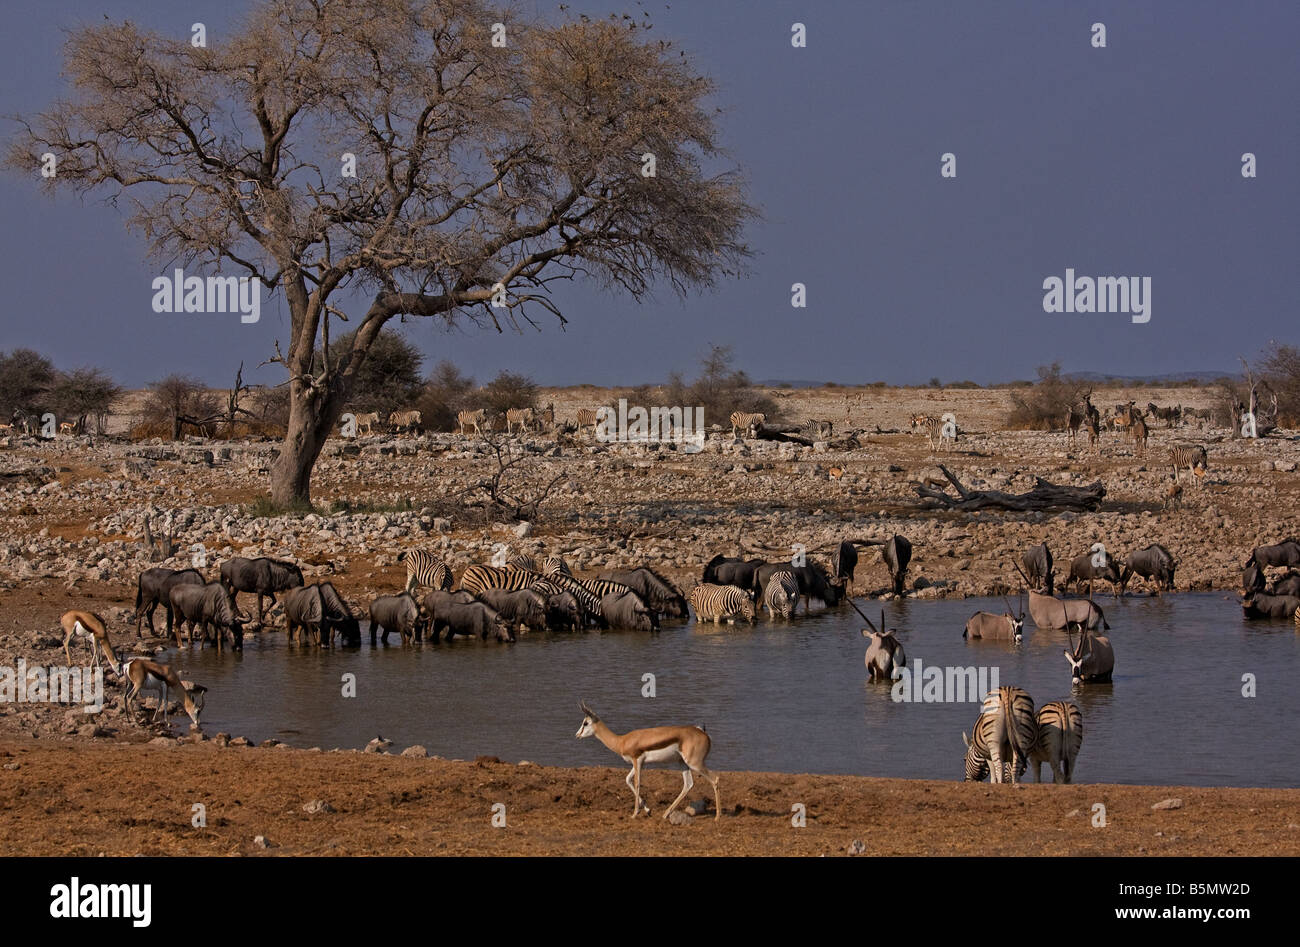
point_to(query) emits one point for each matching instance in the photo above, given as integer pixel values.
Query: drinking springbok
(88, 625)
(144, 675)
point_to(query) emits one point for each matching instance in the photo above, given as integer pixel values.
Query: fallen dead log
(1044, 496)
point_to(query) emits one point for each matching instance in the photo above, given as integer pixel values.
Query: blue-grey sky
(1122, 161)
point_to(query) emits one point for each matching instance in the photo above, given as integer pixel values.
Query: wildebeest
(153, 588)
(728, 570)
(627, 610)
(263, 576)
(1037, 561)
(205, 607)
(399, 613)
(844, 562)
(897, 553)
(656, 591)
(1155, 563)
(472, 619)
(1085, 569)
(320, 611)
(1283, 554)
(1262, 605)
(1092, 660)
(522, 606)
(884, 653)
(563, 612)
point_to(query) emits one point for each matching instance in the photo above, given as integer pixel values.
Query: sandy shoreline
(121, 799)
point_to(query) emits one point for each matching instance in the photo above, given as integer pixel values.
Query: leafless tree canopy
(475, 165)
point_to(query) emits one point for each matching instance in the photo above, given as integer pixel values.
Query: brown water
(791, 697)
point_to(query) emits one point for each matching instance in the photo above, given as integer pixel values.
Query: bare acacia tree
(483, 172)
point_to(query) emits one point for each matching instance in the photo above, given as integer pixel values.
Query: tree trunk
(310, 420)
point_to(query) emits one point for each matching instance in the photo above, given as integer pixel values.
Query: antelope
(77, 623)
(68, 428)
(1092, 660)
(655, 745)
(145, 675)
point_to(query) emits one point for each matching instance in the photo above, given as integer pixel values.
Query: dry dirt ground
(115, 799)
(75, 542)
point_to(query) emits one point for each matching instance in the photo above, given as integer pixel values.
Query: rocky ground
(72, 515)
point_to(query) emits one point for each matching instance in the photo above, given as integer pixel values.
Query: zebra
(746, 421)
(1060, 734)
(553, 564)
(933, 427)
(524, 417)
(424, 568)
(1192, 457)
(781, 595)
(466, 418)
(478, 578)
(715, 602)
(977, 765)
(587, 417)
(521, 561)
(408, 420)
(603, 587)
(1006, 722)
(366, 422)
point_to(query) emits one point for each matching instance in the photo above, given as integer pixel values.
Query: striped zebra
(587, 418)
(554, 564)
(588, 600)
(477, 579)
(366, 422)
(1060, 734)
(1006, 728)
(746, 421)
(603, 587)
(424, 568)
(466, 418)
(521, 561)
(781, 597)
(716, 602)
(977, 766)
(405, 420)
(932, 426)
(1192, 457)
(524, 417)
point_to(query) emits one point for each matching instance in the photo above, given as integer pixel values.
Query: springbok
(655, 745)
(145, 675)
(77, 623)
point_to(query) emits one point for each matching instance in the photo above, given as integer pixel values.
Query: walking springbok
(79, 624)
(655, 745)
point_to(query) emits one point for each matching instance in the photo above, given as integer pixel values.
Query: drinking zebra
(466, 418)
(1192, 457)
(781, 597)
(478, 578)
(424, 568)
(1059, 736)
(746, 422)
(1006, 728)
(716, 602)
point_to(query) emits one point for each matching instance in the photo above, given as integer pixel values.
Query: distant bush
(720, 390)
(1043, 406)
(446, 393)
(508, 390)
